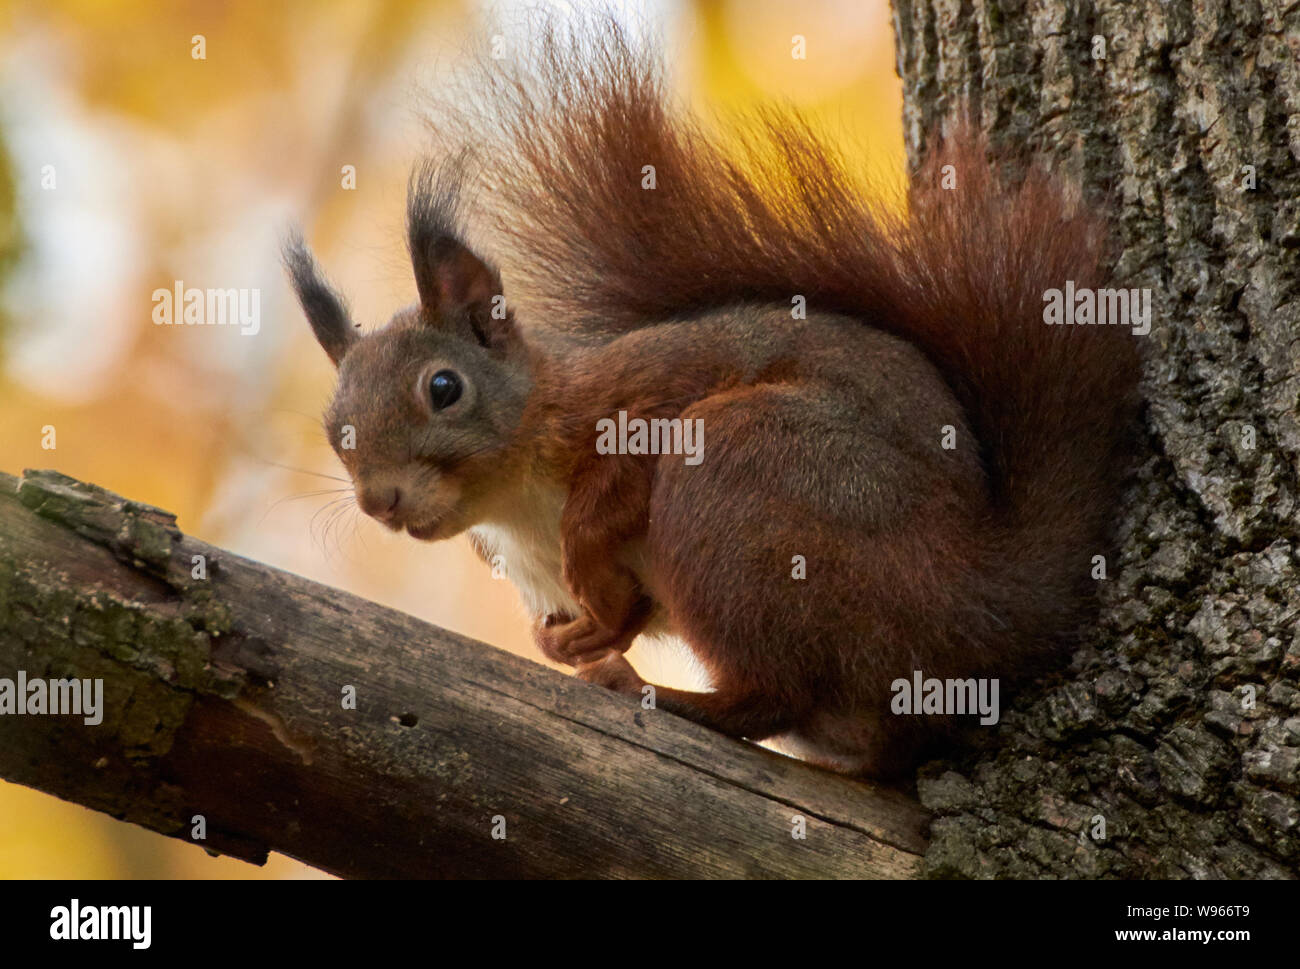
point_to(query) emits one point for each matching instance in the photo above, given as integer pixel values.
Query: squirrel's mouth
(427, 532)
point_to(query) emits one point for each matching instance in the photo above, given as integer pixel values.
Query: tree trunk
(1171, 748)
(225, 697)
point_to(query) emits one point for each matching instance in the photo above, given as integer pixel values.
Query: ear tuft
(457, 288)
(326, 311)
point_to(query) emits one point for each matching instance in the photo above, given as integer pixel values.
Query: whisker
(331, 510)
(315, 474)
(297, 497)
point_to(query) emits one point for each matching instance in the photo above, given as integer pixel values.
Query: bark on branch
(223, 697)
(1176, 729)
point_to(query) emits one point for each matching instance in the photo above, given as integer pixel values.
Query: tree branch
(223, 697)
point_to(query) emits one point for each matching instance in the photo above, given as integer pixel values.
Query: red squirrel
(877, 397)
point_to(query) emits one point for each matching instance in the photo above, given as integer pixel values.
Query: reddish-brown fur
(824, 434)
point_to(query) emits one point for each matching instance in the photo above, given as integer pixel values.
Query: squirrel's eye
(444, 389)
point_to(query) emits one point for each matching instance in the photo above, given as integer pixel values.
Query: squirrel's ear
(457, 289)
(325, 309)
(450, 278)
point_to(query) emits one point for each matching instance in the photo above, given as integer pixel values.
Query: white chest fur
(522, 539)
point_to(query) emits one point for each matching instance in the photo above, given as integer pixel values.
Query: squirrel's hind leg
(854, 743)
(734, 713)
(807, 561)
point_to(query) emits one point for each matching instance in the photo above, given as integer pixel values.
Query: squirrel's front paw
(613, 672)
(578, 641)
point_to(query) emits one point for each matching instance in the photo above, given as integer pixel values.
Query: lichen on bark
(153, 653)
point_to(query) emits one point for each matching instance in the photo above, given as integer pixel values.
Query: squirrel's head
(426, 408)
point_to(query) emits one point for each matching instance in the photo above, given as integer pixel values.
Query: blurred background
(127, 163)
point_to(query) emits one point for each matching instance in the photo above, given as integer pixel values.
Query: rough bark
(1151, 729)
(223, 697)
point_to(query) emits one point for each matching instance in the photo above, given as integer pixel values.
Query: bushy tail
(769, 210)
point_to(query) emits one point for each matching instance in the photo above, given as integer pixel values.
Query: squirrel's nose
(381, 503)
